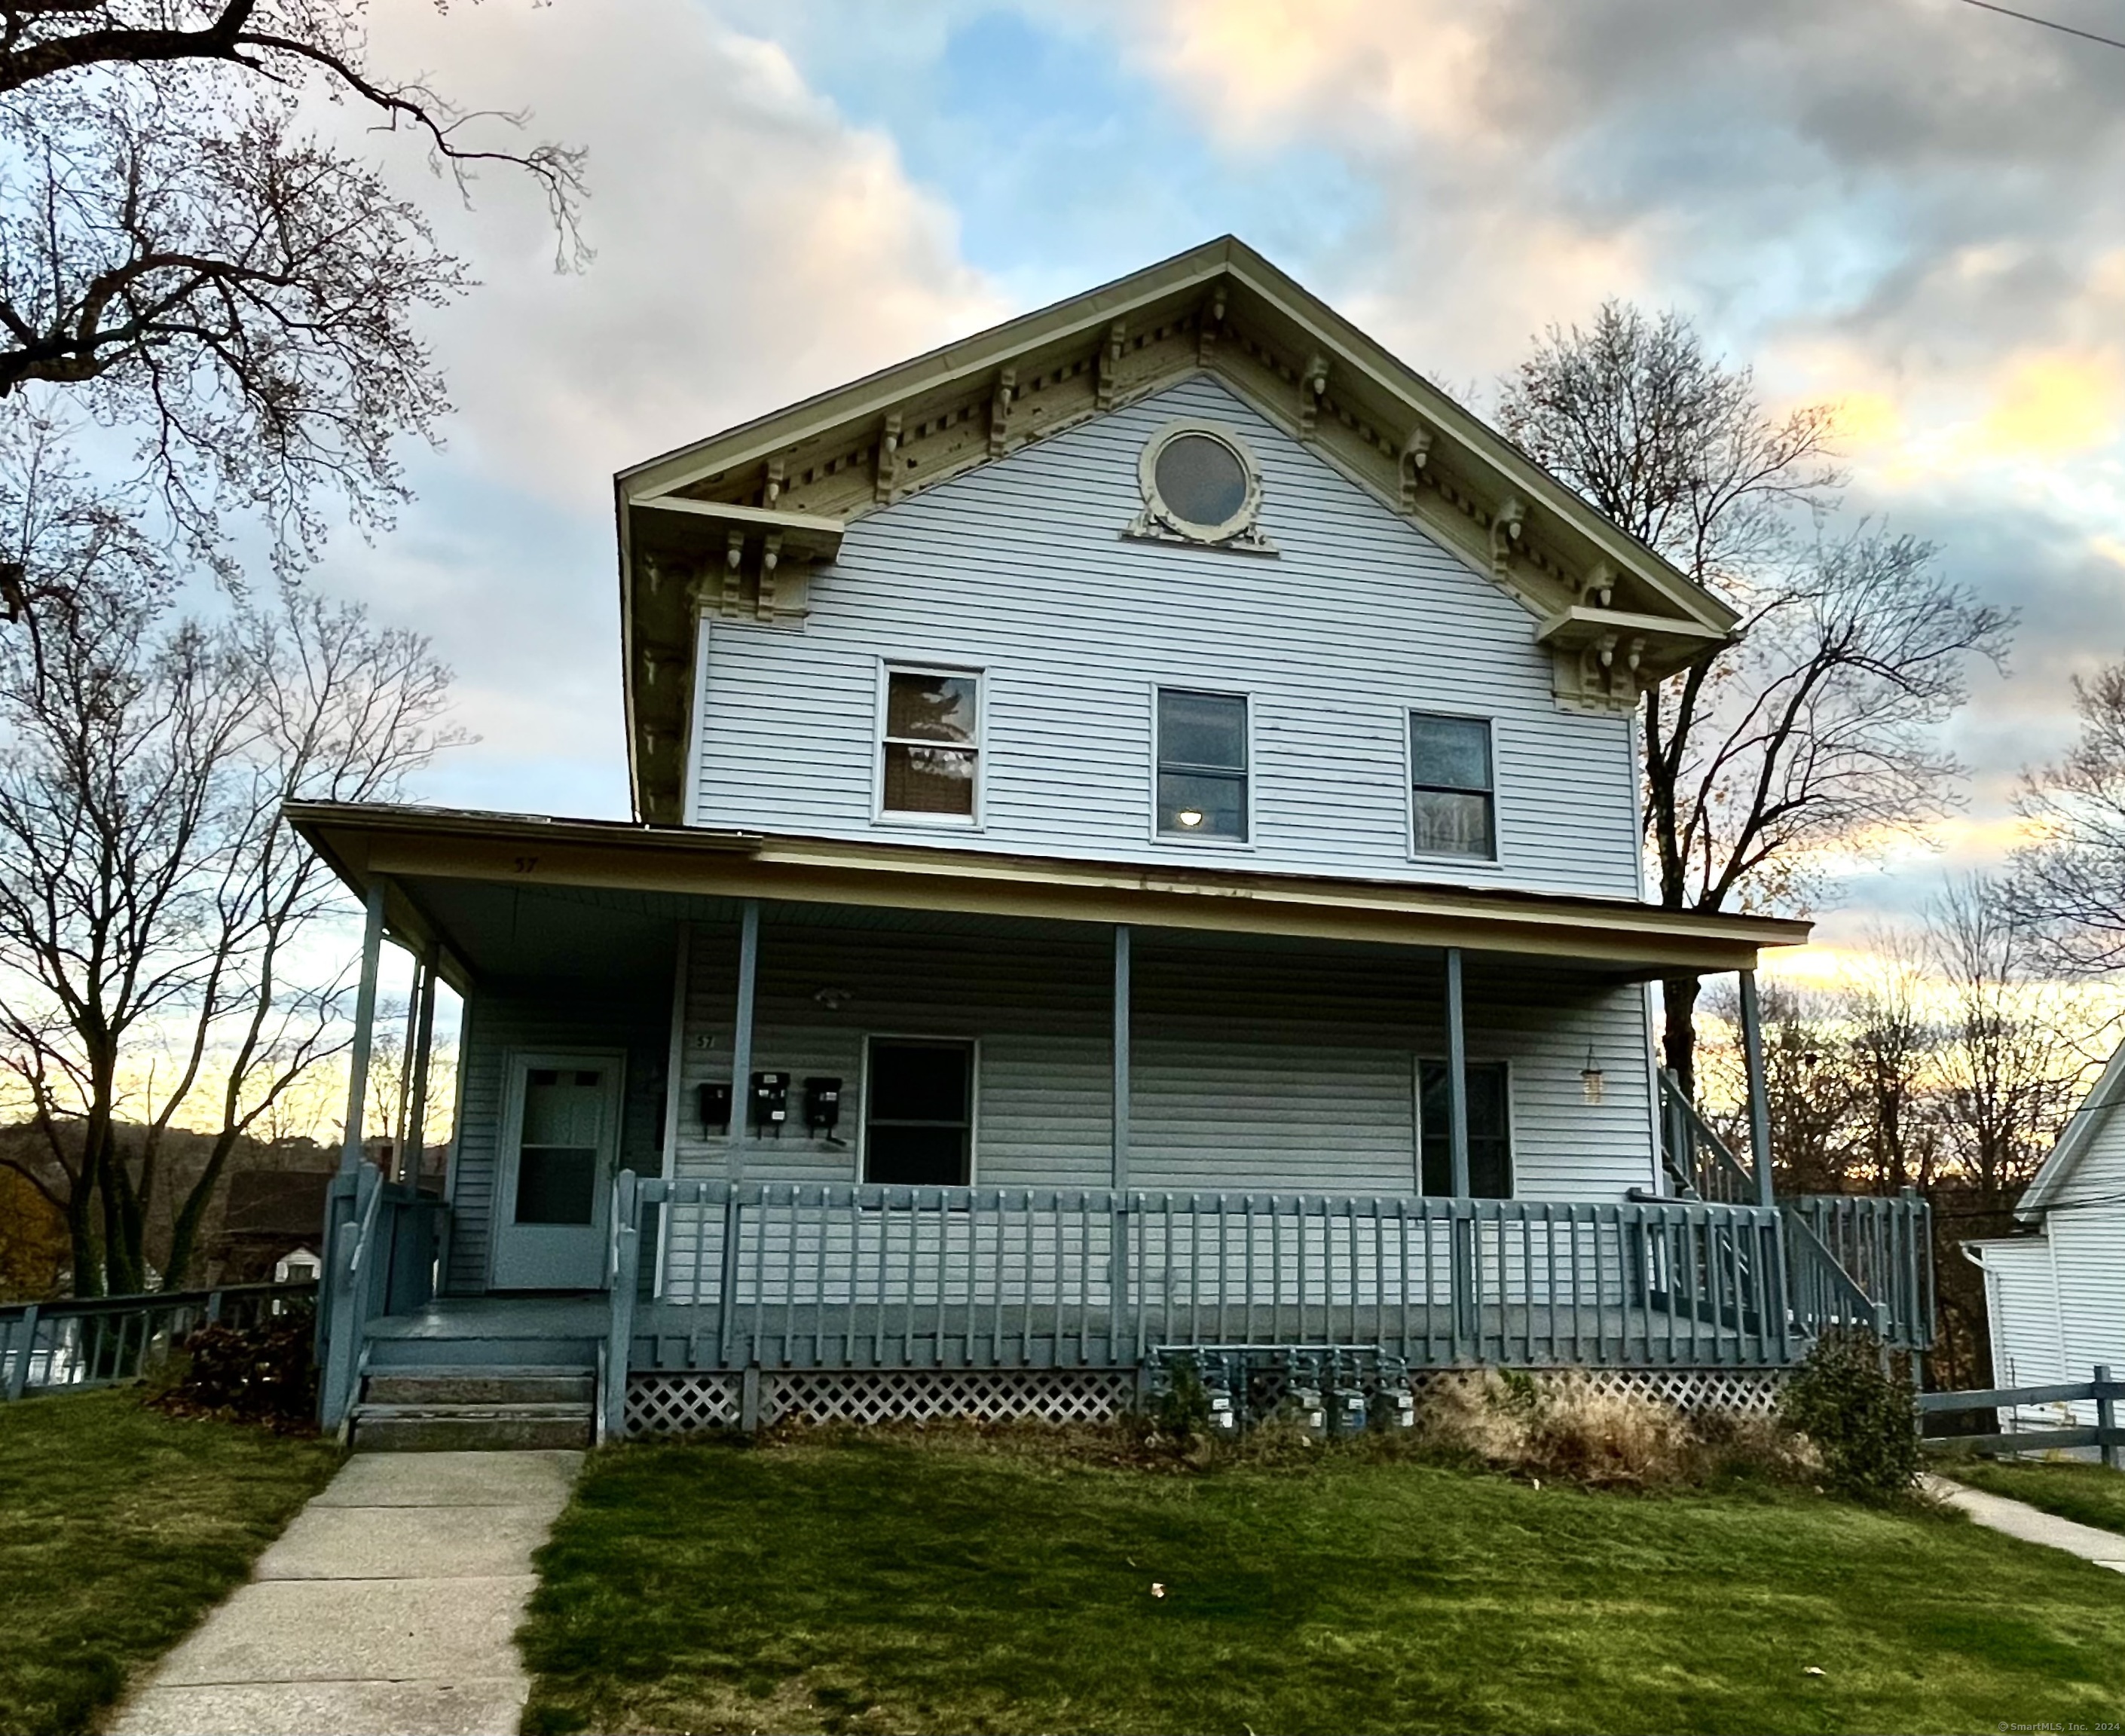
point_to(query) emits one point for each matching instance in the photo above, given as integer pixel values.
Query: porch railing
(789, 1275)
(1884, 1245)
(102, 1341)
(1701, 1164)
(383, 1241)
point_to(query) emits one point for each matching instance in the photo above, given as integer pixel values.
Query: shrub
(262, 1373)
(1181, 1411)
(1858, 1415)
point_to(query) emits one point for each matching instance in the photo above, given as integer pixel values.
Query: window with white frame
(931, 746)
(1202, 765)
(1453, 801)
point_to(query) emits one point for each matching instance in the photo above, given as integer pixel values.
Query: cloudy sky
(1910, 206)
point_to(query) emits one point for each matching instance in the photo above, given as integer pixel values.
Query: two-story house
(1137, 848)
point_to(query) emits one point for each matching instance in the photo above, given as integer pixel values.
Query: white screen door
(560, 1146)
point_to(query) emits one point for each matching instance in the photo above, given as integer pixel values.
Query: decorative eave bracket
(1602, 659)
(744, 562)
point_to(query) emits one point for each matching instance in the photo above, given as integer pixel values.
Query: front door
(560, 1144)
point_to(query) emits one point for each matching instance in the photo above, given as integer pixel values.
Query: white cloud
(752, 246)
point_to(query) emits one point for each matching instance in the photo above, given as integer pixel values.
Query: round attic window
(1201, 480)
(1199, 484)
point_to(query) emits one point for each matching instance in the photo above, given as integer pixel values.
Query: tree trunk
(184, 1234)
(1679, 1041)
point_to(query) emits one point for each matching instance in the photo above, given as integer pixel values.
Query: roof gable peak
(736, 515)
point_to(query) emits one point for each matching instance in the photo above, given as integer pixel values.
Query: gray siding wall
(549, 1018)
(1253, 1066)
(1019, 569)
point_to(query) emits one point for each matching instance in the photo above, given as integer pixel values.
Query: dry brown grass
(1565, 1427)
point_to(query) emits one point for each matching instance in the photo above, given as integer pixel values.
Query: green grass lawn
(119, 1527)
(2088, 1492)
(876, 1585)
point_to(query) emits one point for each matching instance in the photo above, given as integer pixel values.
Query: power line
(2049, 24)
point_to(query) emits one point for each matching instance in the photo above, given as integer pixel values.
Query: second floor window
(932, 745)
(1202, 765)
(1452, 804)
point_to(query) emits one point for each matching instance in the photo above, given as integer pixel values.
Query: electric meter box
(770, 1101)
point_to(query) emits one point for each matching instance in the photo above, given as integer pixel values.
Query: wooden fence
(2101, 1391)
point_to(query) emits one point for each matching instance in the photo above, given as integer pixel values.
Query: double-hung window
(1490, 1131)
(1202, 765)
(919, 1113)
(931, 745)
(1453, 802)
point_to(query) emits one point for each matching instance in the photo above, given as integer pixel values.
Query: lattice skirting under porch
(671, 1404)
(1747, 1392)
(677, 1404)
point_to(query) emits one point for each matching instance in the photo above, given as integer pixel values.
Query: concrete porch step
(474, 1427)
(479, 1383)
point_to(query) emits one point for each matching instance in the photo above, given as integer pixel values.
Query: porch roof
(364, 841)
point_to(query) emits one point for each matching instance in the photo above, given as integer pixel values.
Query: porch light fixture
(1190, 817)
(1590, 1078)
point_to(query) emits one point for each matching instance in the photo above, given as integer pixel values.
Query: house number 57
(524, 864)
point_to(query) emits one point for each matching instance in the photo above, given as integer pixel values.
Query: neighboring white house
(2055, 1296)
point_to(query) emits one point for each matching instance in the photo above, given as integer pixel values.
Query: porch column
(748, 977)
(414, 1139)
(1759, 1107)
(365, 1022)
(1457, 1077)
(1120, 1177)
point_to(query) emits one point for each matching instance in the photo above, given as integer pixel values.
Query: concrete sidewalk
(389, 1608)
(2031, 1524)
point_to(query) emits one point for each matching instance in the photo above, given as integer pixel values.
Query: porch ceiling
(444, 854)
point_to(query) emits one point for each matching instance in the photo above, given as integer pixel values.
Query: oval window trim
(1160, 519)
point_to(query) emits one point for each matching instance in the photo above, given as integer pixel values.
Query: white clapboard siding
(547, 1019)
(2057, 1299)
(1253, 1066)
(1019, 568)
(2085, 1225)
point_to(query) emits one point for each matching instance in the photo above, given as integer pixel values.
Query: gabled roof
(729, 523)
(2087, 1123)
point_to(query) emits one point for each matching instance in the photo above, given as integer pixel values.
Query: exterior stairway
(473, 1408)
(474, 1374)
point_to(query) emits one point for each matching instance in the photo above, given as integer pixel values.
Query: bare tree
(185, 260)
(1816, 729)
(1894, 1043)
(150, 893)
(2070, 882)
(2020, 1043)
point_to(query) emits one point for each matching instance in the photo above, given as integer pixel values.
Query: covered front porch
(1425, 1123)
